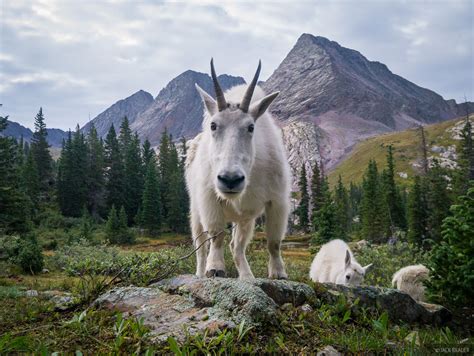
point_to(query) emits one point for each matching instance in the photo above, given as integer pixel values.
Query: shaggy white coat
(267, 188)
(335, 263)
(410, 280)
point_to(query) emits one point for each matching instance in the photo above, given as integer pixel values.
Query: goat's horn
(244, 105)
(221, 103)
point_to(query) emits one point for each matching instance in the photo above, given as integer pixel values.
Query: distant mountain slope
(349, 97)
(442, 139)
(178, 107)
(130, 107)
(14, 129)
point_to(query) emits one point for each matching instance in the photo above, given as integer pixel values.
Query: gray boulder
(187, 302)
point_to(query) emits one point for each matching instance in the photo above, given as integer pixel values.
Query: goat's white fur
(410, 280)
(267, 187)
(334, 263)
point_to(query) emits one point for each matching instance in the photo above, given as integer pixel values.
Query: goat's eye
(213, 126)
(251, 128)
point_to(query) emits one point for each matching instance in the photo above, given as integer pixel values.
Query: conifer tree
(465, 170)
(316, 191)
(166, 172)
(439, 200)
(125, 235)
(303, 207)
(40, 150)
(133, 177)
(418, 212)
(148, 155)
(150, 215)
(96, 172)
(392, 194)
(65, 190)
(374, 212)
(14, 217)
(112, 228)
(342, 210)
(325, 219)
(125, 135)
(30, 179)
(115, 183)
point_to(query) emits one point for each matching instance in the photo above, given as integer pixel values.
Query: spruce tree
(150, 217)
(14, 207)
(175, 197)
(439, 200)
(325, 218)
(418, 212)
(133, 177)
(166, 172)
(374, 211)
(112, 227)
(40, 150)
(465, 170)
(65, 185)
(30, 179)
(392, 194)
(96, 172)
(316, 192)
(115, 182)
(125, 135)
(342, 210)
(148, 155)
(303, 207)
(125, 235)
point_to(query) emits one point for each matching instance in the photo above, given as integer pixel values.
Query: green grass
(31, 325)
(406, 146)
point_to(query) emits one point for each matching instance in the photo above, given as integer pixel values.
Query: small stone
(328, 351)
(45, 270)
(413, 337)
(31, 293)
(306, 308)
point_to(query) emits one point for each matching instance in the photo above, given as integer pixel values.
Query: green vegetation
(406, 151)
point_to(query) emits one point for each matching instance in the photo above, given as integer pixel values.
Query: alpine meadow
(322, 204)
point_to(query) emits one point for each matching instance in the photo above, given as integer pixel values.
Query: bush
(387, 259)
(452, 262)
(30, 257)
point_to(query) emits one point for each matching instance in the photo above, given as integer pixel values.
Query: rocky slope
(178, 107)
(130, 107)
(348, 97)
(14, 129)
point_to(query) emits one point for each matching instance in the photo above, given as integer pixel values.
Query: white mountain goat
(334, 263)
(410, 280)
(236, 170)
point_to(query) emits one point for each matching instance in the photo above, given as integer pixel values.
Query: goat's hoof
(215, 273)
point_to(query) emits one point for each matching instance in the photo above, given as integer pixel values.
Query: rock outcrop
(199, 304)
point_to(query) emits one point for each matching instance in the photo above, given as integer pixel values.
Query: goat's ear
(257, 109)
(366, 268)
(209, 102)
(348, 258)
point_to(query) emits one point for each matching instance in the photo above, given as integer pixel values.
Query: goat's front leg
(215, 266)
(241, 236)
(277, 216)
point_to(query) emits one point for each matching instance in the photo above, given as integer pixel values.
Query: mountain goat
(334, 263)
(237, 170)
(410, 280)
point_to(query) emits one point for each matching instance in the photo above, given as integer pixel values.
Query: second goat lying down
(334, 263)
(410, 280)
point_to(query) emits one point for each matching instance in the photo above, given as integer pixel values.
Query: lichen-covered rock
(199, 304)
(399, 306)
(209, 304)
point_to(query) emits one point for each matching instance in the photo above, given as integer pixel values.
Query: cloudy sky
(76, 58)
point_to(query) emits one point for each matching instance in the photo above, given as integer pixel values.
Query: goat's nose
(231, 180)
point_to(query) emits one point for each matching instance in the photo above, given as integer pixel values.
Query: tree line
(118, 179)
(380, 209)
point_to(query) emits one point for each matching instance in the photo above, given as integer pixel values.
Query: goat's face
(353, 273)
(231, 131)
